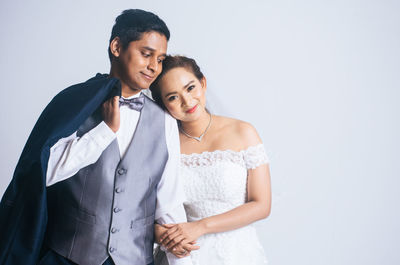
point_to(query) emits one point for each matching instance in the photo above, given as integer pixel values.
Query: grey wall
(318, 79)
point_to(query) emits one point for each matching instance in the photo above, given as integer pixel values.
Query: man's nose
(153, 65)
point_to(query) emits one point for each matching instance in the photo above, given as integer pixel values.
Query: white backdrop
(318, 79)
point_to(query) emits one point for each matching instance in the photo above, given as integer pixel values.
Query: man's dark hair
(132, 23)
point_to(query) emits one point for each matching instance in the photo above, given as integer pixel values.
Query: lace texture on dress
(214, 183)
(255, 156)
(249, 158)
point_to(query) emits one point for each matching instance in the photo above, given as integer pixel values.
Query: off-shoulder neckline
(223, 151)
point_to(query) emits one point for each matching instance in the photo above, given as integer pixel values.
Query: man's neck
(126, 91)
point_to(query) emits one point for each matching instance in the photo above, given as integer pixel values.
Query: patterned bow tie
(133, 103)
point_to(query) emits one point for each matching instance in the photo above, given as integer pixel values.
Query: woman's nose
(186, 100)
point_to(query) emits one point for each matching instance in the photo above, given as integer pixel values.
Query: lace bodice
(215, 182)
(249, 158)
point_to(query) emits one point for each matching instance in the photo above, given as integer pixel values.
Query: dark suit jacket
(23, 208)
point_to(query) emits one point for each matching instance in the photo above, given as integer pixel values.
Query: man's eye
(146, 54)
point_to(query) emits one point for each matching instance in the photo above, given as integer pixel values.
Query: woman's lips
(192, 109)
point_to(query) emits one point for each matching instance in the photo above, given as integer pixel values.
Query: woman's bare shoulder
(242, 133)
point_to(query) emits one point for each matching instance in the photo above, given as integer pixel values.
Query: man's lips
(148, 77)
(192, 109)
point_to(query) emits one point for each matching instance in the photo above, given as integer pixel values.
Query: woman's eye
(171, 98)
(190, 88)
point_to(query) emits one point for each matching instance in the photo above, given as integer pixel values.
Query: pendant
(194, 137)
(198, 138)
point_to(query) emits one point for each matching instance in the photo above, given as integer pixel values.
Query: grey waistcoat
(107, 208)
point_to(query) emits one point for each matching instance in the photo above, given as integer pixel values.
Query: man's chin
(146, 85)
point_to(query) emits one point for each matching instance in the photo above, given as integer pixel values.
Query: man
(97, 169)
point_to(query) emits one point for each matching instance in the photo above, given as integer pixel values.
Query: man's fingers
(115, 101)
(190, 247)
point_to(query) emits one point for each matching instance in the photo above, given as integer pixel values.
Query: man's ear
(116, 47)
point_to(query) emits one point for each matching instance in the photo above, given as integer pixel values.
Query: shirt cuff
(102, 135)
(172, 260)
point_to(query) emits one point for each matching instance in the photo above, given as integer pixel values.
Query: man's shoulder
(97, 81)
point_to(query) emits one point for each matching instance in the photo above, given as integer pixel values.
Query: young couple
(106, 171)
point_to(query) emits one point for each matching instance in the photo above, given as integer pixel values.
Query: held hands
(181, 250)
(110, 113)
(180, 238)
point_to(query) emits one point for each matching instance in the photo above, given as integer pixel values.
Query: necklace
(194, 137)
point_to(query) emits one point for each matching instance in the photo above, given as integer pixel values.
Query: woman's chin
(189, 118)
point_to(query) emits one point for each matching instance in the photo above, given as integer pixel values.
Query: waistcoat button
(114, 230)
(116, 210)
(118, 190)
(112, 249)
(121, 171)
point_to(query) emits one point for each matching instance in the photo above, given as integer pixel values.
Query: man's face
(140, 63)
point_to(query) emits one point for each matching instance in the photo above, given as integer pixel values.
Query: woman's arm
(258, 206)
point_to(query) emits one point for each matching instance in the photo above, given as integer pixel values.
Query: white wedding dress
(214, 183)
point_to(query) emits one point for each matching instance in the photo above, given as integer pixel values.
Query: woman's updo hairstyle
(169, 63)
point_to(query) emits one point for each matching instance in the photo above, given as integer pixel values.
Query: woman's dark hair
(132, 23)
(169, 63)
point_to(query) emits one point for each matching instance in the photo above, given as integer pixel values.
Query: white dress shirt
(73, 153)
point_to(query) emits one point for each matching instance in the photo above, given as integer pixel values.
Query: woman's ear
(203, 83)
(115, 47)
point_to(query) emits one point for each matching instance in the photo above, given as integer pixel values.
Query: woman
(224, 170)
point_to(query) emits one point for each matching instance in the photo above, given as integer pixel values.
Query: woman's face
(183, 94)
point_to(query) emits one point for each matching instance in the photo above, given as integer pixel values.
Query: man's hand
(183, 249)
(110, 113)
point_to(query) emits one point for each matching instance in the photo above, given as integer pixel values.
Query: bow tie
(133, 103)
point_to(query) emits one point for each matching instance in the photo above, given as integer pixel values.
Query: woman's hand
(183, 232)
(181, 249)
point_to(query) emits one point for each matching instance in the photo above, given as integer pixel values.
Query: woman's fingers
(175, 242)
(166, 234)
(171, 234)
(170, 238)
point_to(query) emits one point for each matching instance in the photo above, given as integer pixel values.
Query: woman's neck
(196, 127)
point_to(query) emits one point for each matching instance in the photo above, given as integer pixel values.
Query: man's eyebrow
(153, 50)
